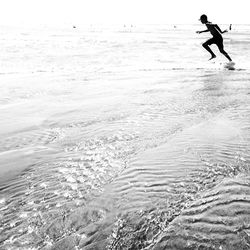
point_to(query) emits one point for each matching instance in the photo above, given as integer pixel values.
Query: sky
(78, 12)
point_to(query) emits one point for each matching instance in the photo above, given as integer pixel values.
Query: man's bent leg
(205, 45)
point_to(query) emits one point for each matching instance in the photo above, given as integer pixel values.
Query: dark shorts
(216, 40)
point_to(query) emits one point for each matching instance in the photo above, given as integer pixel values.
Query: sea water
(123, 137)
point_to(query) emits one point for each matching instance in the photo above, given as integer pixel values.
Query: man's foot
(212, 57)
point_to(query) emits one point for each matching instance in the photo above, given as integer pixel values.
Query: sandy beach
(123, 137)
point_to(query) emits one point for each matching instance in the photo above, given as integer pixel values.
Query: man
(216, 39)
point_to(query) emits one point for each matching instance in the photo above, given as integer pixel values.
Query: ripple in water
(49, 193)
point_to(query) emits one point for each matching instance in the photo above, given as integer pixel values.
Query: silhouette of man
(217, 39)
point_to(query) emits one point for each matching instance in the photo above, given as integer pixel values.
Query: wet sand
(123, 138)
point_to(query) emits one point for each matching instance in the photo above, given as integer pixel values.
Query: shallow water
(123, 138)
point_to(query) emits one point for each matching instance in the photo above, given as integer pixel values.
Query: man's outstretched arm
(202, 31)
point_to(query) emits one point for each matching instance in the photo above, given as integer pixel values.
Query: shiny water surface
(123, 138)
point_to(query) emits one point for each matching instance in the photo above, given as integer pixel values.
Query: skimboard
(229, 65)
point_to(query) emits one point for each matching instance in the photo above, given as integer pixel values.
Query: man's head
(203, 18)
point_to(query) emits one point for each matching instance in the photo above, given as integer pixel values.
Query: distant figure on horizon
(230, 26)
(216, 39)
